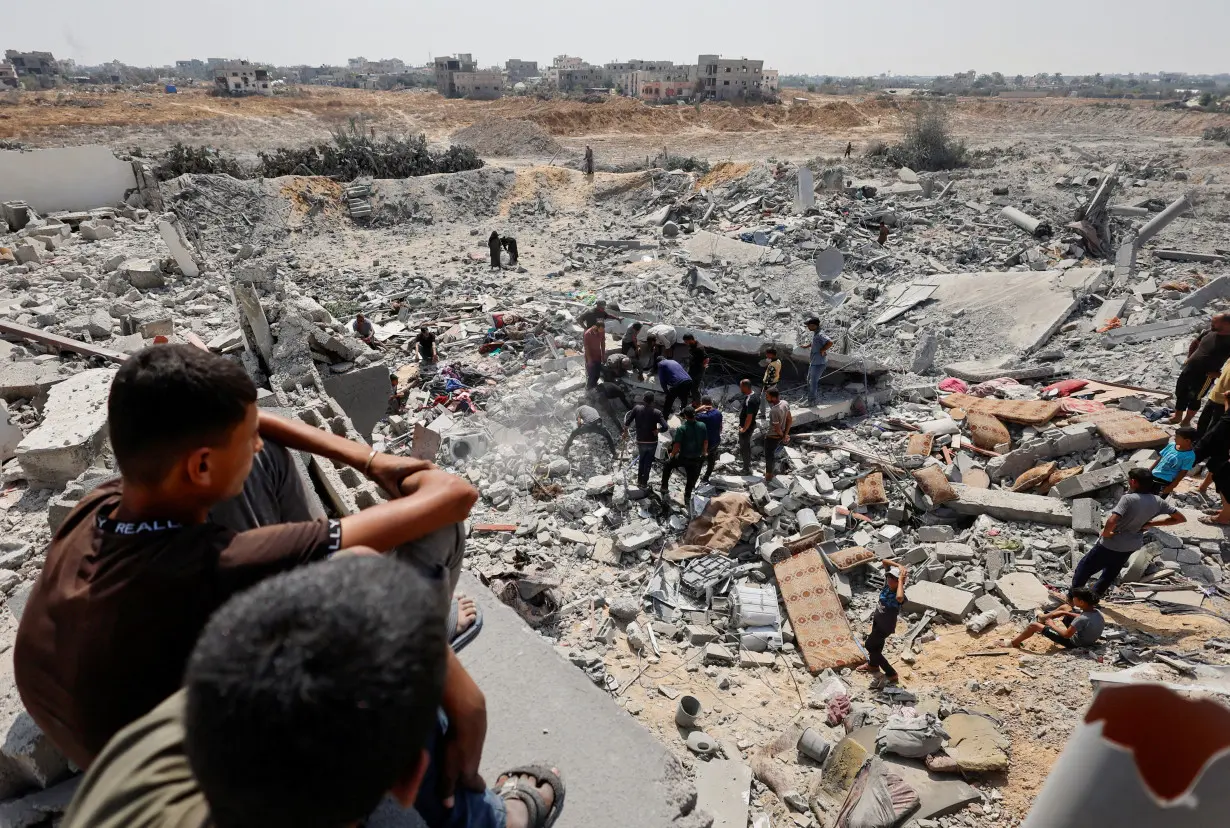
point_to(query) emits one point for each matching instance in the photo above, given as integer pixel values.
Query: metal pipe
(1032, 226)
(1180, 206)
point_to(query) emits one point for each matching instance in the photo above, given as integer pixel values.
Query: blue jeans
(1100, 559)
(814, 372)
(644, 463)
(471, 809)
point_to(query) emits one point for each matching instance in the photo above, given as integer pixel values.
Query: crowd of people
(212, 653)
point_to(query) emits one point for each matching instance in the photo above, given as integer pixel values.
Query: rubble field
(1002, 359)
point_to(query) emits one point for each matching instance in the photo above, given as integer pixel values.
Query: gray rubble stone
(72, 432)
(1086, 516)
(1092, 481)
(143, 274)
(1022, 591)
(935, 534)
(948, 601)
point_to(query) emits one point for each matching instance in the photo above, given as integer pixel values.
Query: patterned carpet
(820, 627)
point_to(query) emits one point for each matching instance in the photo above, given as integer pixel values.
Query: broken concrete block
(152, 322)
(1091, 481)
(700, 636)
(1022, 591)
(1006, 505)
(28, 253)
(10, 435)
(72, 433)
(975, 743)
(747, 658)
(948, 552)
(717, 654)
(601, 484)
(935, 534)
(95, 231)
(172, 233)
(605, 552)
(948, 601)
(143, 274)
(32, 760)
(1086, 516)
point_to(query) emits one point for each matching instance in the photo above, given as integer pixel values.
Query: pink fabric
(953, 384)
(1071, 405)
(1065, 387)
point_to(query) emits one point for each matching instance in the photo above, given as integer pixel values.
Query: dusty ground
(619, 130)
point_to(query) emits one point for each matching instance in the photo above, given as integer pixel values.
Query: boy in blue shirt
(884, 624)
(1176, 460)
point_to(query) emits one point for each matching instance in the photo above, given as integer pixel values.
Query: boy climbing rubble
(884, 624)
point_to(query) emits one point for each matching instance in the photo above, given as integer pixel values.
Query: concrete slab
(1006, 505)
(709, 248)
(1219, 288)
(363, 393)
(607, 758)
(1154, 330)
(65, 178)
(72, 432)
(724, 791)
(1084, 484)
(28, 380)
(1194, 531)
(1026, 307)
(1022, 591)
(948, 601)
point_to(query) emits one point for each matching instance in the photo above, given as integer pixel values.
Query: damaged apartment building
(458, 76)
(240, 77)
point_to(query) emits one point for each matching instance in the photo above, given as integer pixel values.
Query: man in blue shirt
(711, 418)
(675, 382)
(820, 345)
(884, 624)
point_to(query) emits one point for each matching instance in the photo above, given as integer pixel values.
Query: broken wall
(65, 178)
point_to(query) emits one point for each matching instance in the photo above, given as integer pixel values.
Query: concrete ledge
(1006, 505)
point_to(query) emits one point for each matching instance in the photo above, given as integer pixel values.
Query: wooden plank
(63, 343)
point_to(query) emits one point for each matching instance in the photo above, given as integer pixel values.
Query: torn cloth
(718, 529)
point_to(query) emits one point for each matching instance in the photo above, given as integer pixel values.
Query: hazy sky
(858, 37)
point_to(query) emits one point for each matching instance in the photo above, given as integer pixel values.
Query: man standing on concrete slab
(884, 624)
(1124, 532)
(595, 353)
(708, 416)
(426, 344)
(675, 383)
(780, 421)
(494, 247)
(1206, 355)
(749, 410)
(589, 161)
(687, 452)
(649, 423)
(817, 361)
(698, 364)
(589, 421)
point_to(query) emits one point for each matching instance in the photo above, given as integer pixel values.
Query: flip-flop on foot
(515, 787)
(459, 633)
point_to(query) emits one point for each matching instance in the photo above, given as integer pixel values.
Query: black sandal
(516, 788)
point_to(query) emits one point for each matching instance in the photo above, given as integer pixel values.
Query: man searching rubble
(688, 452)
(589, 421)
(676, 382)
(426, 344)
(710, 417)
(649, 424)
(1084, 630)
(698, 364)
(780, 421)
(363, 330)
(594, 346)
(307, 700)
(141, 562)
(749, 410)
(1136, 512)
(598, 313)
(1205, 356)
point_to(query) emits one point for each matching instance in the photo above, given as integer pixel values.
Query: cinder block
(71, 434)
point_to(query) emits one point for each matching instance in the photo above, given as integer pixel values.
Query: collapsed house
(982, 408)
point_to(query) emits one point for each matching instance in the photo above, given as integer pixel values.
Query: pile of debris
(508, 138)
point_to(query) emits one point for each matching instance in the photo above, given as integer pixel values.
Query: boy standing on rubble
(1124, 532)
(1175, 461)
(772, 368)
(884, 624)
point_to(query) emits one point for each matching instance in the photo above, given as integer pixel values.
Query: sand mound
(506, 138)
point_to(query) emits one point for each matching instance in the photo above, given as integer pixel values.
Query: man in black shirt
(426, 342)
(598, 313)
(649, 423)
(748, 410)
(698, 363)
(1205, 357)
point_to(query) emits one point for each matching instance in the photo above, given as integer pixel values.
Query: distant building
(483, 86)
(724, 79)
(772, 80)
(32, 64)
(446, 70)
(658, 90)
(358, 64)
(8, 74)
(580, 78)
(239, 77)
(566, 62)
(520, 70)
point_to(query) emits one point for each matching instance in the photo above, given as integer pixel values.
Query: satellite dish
(829, 264)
